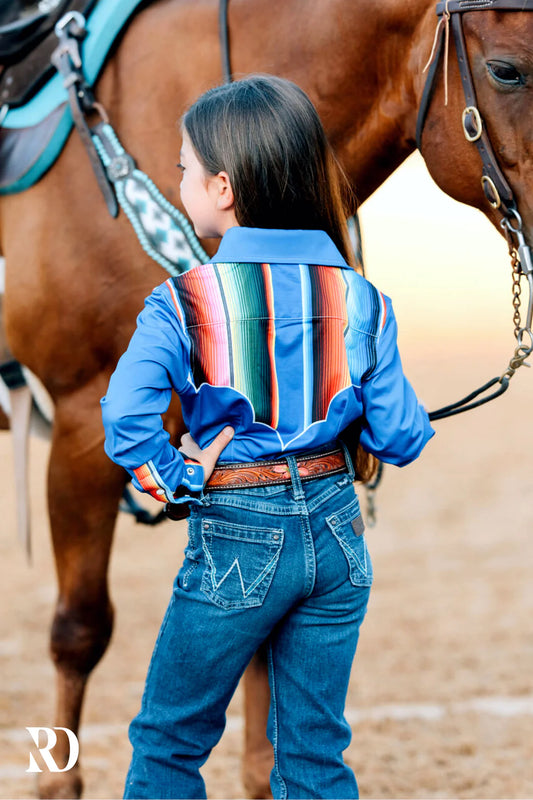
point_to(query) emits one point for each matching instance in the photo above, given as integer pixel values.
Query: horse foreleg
(83, 495)
(258, 755)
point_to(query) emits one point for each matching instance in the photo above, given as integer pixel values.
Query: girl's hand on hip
(207, 457)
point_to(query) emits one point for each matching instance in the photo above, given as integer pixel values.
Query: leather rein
(494, 183)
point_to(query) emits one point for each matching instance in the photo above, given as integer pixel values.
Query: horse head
(499, 56)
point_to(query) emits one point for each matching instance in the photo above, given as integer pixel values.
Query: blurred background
(445, 266)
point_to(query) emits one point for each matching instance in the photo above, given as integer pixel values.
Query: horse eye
(505, 73)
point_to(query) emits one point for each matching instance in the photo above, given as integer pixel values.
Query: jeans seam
(187, 574)
(276, 770)
(162, 629)
(309, 554)
(327, 494)
(262, 505)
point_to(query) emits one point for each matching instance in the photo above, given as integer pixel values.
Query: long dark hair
(266, 134)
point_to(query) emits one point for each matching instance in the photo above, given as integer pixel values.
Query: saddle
(27, 40)
(35, 120)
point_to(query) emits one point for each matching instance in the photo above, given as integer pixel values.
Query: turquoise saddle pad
(32, 137)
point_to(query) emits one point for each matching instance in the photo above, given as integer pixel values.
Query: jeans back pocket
(240, 562)
(348, 527)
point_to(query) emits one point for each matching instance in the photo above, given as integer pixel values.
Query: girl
(275, 348)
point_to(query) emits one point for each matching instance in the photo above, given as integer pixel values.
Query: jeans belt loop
(349, 463)
(296, 480)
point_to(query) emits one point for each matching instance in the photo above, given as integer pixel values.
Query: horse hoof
(64, 786)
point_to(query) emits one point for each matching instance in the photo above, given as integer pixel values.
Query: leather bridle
(494, 183)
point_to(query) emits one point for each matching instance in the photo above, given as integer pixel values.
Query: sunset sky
(445, 266)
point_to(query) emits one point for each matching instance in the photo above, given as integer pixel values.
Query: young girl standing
(275, 347)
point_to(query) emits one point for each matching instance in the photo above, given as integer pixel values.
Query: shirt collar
(273, 246)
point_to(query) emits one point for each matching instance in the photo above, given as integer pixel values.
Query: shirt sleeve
(139, 392)
(395, 425)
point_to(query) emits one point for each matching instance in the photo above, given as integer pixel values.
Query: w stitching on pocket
(241, 561)
(236, 565)
(347, 527)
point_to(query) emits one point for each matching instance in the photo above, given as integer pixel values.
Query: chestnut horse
(76, 278)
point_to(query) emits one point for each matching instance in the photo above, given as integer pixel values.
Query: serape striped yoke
(262, 328)
(287, 351)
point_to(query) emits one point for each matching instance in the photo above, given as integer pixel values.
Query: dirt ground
(441, 697)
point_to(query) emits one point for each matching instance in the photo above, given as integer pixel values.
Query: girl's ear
(226, 198)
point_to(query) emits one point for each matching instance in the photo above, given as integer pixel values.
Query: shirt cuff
(193, 477)
(150, 481)
(192, 481)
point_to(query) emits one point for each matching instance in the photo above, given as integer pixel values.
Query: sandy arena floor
(441, 698)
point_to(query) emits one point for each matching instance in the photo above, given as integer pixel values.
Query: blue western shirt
(276, 336)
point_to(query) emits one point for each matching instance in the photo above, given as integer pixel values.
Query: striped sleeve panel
(367, 313)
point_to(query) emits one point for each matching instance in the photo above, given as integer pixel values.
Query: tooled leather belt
(269, 473)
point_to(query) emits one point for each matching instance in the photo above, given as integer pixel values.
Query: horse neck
(384, 133)
(363, 70)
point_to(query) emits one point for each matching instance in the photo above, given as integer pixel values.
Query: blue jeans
(286, 566)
